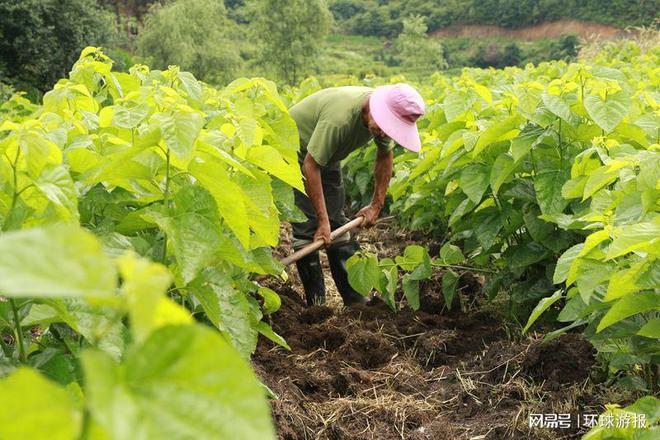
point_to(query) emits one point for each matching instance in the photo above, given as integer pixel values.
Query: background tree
(291, 34)
(194, 34)
(41, 39)
(416, 50)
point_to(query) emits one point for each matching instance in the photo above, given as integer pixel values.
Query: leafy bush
(194, 34)
(547, 176)
(41, 39)
(133, 205)
(291, 33)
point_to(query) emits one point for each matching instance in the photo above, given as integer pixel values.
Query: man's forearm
(314, 187)
(382, 174)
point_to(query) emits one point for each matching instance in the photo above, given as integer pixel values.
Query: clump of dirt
(366, 372)
(367, 350)
(567, 359)
(315, 314)
(322, 336)
(432, 347)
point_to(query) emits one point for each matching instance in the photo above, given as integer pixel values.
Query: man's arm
(314, 187)
(382, 175)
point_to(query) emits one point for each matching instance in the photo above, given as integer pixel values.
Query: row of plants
(136, 209)
(548, 177)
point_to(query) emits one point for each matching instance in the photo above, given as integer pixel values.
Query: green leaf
(610, 112)
(267, 331)
(144, 287)
(363, 272)
(228, 309)
(184, 382)
(651, 329)
(58, 260)
(454, 105)
(558, 107)
(501, 170)
(101, 326)
(272, 300)
(388, 282)
(474, 181)
(193, 229)
(411, 291)
(526, 254)
(416, 260)
(450, 254)
(541, 307)
(628, 306)
(565, 262)
(537, 228)
(500, 130)
(548, 185)
(179, 130)
(36, 408)
(212, 175)
(57, 186)
(597, 180)
(631, 238)
(449, 284)
(270, 160)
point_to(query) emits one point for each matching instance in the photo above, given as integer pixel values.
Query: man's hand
(370, 214)
(323, 232)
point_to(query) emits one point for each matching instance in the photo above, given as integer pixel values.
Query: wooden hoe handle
(318, 244)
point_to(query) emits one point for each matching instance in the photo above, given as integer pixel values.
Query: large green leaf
(212, 174)
(270, 160)
(183, 382)
(628, 306)
(179, 130)
(632, 238)
(501, 170)
(227, 308)
(451, 254)
(610, 112)
(193, 228)
(411, 291)
(543, 305)
(33, 407)
(563, 267)
(558, 107)
(449, 284)
(499, 131)
(59, 260)
(548, 185)
(474, 181)
(144, 287)
(363, 272)
(651, 329)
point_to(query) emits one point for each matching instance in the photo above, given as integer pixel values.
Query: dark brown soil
(368, 373)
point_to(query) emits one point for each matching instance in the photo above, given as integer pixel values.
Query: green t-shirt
(330, 123)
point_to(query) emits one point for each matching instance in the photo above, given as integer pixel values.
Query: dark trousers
(335, 198)
(309, 267)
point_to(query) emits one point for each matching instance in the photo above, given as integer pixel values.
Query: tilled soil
(369, 373)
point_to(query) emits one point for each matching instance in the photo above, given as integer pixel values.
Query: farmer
(332, 123)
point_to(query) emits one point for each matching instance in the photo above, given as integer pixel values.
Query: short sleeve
(325, 142)
(383, 144)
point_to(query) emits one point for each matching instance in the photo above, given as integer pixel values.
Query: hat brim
(404, 133)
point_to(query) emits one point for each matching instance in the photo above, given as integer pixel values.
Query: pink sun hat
(396, 108)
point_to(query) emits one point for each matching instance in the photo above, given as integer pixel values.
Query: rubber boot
(337, 256)
(311, 275)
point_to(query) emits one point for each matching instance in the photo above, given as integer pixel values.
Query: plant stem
(15, 194)
(166, 201)
(19, 332)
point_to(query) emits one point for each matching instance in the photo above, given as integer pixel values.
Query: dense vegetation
(551, 184)
(139, 206)
(385, 18)
(132, 205)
